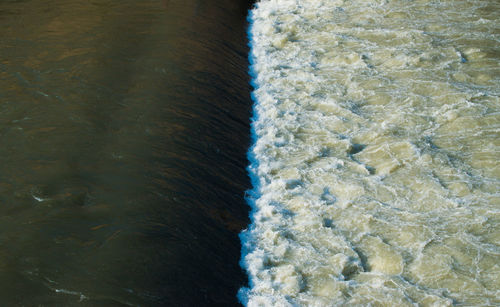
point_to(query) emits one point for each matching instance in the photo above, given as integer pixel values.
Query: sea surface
(124, 128)
(375, 157)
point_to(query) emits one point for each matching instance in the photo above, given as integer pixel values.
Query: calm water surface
(123, 133)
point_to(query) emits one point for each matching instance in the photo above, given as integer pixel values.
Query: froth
(374, 168)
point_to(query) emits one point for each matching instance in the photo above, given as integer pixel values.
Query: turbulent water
(375, 157)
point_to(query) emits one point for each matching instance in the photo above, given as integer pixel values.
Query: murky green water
(123, 132)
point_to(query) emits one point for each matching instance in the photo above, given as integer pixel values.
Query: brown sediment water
(123, 134)
(375, 162)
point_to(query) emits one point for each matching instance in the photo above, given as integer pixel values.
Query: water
(123, 136)
(375, 158)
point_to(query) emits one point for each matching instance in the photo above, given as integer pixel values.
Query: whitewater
(375, 157)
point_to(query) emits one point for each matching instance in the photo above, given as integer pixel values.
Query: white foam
(370, 159)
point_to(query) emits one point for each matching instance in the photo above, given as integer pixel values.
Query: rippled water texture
(375, 163)
(123, 139)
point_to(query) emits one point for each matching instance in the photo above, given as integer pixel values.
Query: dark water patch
(124, 130)
(355, 148)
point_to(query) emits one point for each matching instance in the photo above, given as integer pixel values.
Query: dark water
(123, 133)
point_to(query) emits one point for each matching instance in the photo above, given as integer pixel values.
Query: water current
(375, 159)
(124, 127)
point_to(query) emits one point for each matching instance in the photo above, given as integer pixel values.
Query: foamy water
(375, 158)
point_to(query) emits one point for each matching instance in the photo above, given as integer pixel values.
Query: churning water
(375, 158)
